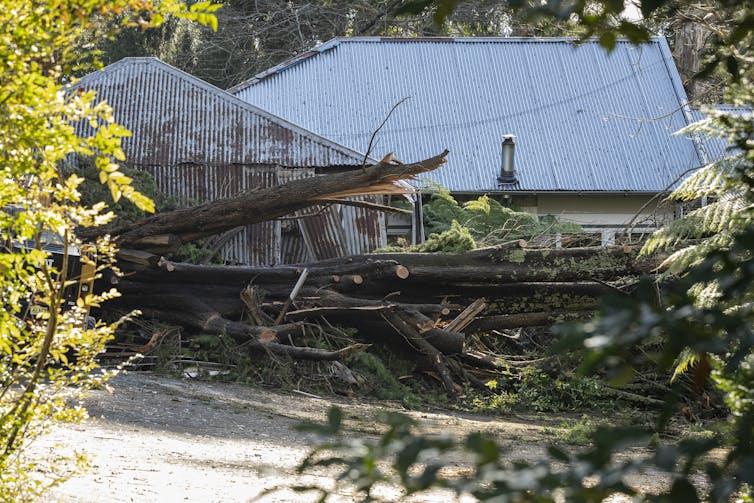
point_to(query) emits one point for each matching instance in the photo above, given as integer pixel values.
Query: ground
(164, 439)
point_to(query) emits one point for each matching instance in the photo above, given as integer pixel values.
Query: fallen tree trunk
(413, 303)
(400, 300)
(165, 232)
(500, 273)
(389, 304)
(188, 311)
(507, 321)
(412, 336)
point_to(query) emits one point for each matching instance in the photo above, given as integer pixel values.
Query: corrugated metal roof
(202, 143)
(177, 118)
(584, 120)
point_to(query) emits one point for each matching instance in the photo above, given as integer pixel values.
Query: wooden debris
(292, 296)
(467, 316)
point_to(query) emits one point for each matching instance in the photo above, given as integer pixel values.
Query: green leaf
(635, 33)
(408, 455)
(334, 418)
(486, 449)
(608, 40)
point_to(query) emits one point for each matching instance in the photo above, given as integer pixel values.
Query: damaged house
(201, 144)
(548, 125)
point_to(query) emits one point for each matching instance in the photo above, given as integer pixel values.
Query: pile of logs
(424, 306)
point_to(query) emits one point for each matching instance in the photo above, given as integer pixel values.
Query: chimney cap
(507, 172)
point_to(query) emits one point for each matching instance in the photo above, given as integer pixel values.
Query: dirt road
(161, 439)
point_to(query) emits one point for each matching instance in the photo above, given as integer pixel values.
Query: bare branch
(371, 140)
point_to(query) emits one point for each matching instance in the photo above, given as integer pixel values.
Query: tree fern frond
(671, 235)
(689, 256)
(740, 308)
(718, 215)
(684, 362)
(709, 181)
(705, 295)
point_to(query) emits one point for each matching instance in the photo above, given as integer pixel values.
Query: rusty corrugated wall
(201, 144)
(365, 229)
(257, 244)
(323, 232)
(177, 118)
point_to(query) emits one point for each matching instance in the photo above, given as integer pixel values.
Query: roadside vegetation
(48, 344)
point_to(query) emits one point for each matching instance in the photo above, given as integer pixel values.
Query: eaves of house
(585, 121)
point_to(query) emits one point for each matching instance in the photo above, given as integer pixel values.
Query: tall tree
(256, 35)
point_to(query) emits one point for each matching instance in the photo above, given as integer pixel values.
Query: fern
(487, 221)
(709, 181)
(713, 224)
(684, 362)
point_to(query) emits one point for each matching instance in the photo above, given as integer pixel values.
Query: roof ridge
(336, 41)
(477, 39)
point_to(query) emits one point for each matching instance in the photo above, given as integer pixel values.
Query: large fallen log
(165, 232)
(189, 311)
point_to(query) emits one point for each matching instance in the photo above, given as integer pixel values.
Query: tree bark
(412, 336)
(190, 312)
(507, 321)
(167, 231)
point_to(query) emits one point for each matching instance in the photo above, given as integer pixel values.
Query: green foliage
(703, 321)
(191, 253)
(125, 211)
(536, 390)
(441, 211)
(543, 393)
(415, 461)
(379, 379)
(47, 350)
(488, 222)
(455, 239)
(378, 370)
(575, 432)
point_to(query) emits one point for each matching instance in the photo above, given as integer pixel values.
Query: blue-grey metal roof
(584, 120)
